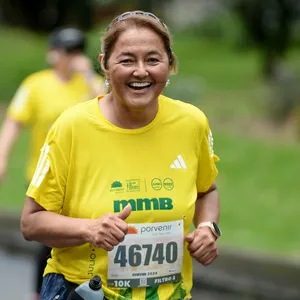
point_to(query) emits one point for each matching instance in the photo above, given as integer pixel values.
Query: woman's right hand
(109, 230)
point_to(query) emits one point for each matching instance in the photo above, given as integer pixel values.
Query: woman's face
(62, 60)
(138, 67)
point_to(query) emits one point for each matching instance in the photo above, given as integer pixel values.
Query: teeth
(140, 84)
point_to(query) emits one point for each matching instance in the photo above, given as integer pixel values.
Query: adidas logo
(178, 163)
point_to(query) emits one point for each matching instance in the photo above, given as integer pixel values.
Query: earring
(168, 82)
(106, 82)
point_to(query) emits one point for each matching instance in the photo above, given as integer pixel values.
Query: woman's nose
(140, 70)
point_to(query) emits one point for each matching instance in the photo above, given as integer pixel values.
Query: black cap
(69, 39)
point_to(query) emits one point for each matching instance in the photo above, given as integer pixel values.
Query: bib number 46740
(137, 255)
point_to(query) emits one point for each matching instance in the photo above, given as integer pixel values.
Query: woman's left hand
(202, 245)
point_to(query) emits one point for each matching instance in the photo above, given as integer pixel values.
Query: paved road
(16, 276)
(17, 273)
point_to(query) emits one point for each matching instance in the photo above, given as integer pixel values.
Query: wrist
(85, 230)
(212, 226)
(208, 232)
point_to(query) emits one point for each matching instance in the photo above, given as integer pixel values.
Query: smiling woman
(137, 60)
(124, 176)
(138, 70)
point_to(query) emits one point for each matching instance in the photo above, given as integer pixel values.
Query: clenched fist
(202, 245)
(109, 230)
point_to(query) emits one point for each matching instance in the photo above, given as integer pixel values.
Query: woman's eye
(126, 61)
(153, 60)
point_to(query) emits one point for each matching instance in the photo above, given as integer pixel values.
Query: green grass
(224, 82)
(221, 65)
(259, 193)
(22, 53)
(257, 181)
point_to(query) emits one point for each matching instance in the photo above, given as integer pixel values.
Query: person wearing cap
(43, 96)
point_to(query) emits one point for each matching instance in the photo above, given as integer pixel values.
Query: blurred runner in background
(42, 97)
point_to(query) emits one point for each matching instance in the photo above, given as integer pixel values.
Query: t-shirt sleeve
(207, 170)
(22, 106)
(48, 184)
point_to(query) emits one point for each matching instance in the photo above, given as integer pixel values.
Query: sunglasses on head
(127, 14)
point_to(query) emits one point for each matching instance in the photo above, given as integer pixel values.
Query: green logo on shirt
(141, 204)
(133, 185)
(116, 186)
(168, 184)
(156, 184)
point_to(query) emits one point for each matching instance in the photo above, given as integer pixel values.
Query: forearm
(54, 230)
(207, 207)
(8, 136)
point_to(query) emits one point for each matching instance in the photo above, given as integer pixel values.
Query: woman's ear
(102, 63)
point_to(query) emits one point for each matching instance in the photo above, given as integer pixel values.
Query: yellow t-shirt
(89, 167)
(39, 101)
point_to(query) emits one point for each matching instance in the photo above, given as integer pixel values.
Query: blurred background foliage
(239, 61)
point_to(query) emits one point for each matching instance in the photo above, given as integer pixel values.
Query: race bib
(150, 255)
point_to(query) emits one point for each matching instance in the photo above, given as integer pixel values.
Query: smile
(139, 85)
